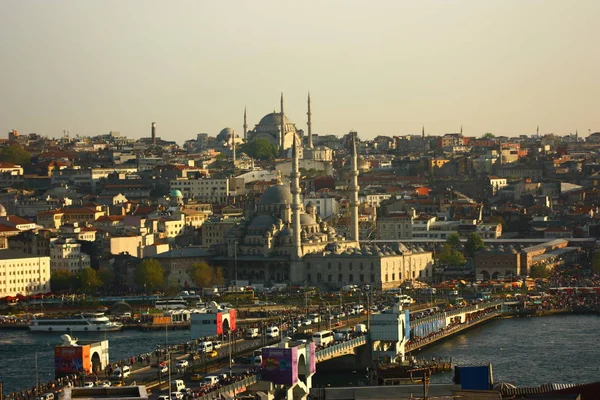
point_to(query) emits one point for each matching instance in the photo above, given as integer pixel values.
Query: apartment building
(24, 274)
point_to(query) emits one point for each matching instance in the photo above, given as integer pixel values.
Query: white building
(212, 190)
(325, 206)
(66, 254)
(22, 273)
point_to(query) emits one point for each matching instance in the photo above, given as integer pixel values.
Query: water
(17, 352)
(524, 351)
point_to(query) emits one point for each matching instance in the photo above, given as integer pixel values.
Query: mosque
(284, 242)
(282, 133)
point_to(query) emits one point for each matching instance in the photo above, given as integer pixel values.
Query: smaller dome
(285, 232)
(2, 211)
(225, 134)
(176, 193)
(307, 220)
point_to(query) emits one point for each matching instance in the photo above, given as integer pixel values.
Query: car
(163, 369)
(176, 396)
(103, 384)
(182, 364)
(244, 360)
(306, 322)
(217, 344)
(88, 384)
(298, 324)
(163, 397)
(212, 354)
(196, 377)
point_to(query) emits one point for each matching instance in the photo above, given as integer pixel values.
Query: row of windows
(20, 281)
(21, 289)
(340, 278)
(28, 272)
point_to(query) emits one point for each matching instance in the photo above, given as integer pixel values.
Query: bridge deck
(450, 331)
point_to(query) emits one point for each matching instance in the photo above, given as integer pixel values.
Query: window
(393, 277)
(350, 278)
(362, 278)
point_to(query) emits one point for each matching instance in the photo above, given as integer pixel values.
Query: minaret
(233, 146)
(245, 126)
(309, 123)
(423, 132)
(154, 133)
(461, 130)
(576, 135)
(537, 131)
(295, 189)
(282, 129)
(354, 192)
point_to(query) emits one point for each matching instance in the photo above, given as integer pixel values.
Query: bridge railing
(457, 311)
(344, 347)
(441, 334)
(235, 387)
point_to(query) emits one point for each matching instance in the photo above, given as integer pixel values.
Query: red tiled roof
(18, 220)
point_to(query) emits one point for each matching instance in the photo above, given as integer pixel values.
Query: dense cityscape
(311, 200)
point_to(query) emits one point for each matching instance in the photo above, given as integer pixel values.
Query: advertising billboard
(232, 319)
(313, 358)
(72, 359)
(219, 323)
(280, 365)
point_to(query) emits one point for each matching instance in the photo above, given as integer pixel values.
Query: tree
(62, 279)
(106, 276)
(474, 244)
(149, 274)
(87, 280)
(452, 257)
(260, 149)
(488, 135)
(218, 278)
(15, 154)
(539, 271)
(202, 274)
(453, 240)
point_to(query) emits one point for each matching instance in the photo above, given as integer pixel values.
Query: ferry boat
(85, 322)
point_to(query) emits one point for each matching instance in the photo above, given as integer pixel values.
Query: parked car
(176, 396)
(306, 322)
(217, 344)
(163, 369)
(182, 364)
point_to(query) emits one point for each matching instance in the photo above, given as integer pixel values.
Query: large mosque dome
(278, 194)
(273, 119)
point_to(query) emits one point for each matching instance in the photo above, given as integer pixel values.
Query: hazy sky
(378, 67)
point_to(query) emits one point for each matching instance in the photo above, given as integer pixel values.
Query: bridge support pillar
(389, 334)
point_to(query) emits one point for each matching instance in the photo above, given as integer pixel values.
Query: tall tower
(309, 123)
(354, 191)
(295, 189)
(245, 126)
(423, 132)
(282, 129)
(233, 146)
(154, 133)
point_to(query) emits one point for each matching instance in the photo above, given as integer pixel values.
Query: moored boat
(86, 322)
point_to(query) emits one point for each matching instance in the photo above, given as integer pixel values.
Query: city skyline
(503, 67)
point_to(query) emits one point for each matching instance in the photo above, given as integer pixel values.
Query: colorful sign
(232, 319)
(219, 317)
(313, 358)
(161, 320)
(280, 365)
(72, 359)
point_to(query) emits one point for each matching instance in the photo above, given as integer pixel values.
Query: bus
(170, 304)
(322, 338)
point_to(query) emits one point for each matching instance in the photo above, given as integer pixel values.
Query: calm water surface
(524, 351)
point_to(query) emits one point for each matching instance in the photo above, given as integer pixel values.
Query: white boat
(86, 322)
